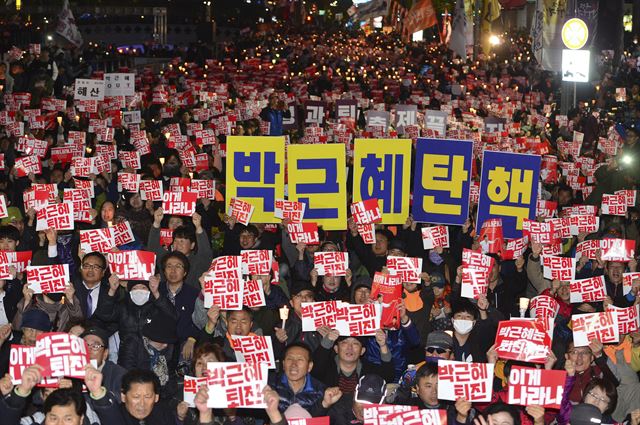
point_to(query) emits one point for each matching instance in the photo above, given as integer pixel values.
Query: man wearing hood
(131, 314)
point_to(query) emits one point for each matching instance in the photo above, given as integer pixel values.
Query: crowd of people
(143, 337)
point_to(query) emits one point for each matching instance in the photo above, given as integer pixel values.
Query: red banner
(522, 339)
(528, 386)
(132, 265)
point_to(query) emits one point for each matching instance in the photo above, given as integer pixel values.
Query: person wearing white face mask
(473, 330)
(130, 315)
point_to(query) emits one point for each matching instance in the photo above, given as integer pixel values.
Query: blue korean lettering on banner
(508, 190)
(442, 181)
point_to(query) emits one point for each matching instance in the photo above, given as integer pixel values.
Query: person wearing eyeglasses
(581, 359)
(90, 283)
(98, 344)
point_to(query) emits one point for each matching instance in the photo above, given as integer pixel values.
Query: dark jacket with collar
(130, 318)
(82, 292)
(399, 341)
(325, 367)
(112, 377)
(310, 397)
(185, 301)
(111, 412)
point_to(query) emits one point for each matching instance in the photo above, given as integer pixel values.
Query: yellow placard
(255, 173)
(317, 177)
(575, 33)
(382, 170)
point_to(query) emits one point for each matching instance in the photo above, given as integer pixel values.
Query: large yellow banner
(382, 170)
(317, 177)
(255, 173)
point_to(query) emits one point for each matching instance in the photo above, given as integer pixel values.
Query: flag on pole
(371, 10)
(458, 41)
(421, 16)
(67, 27)
(490, 13)
(546, 33)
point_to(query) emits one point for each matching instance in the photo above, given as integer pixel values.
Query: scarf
(158, 362)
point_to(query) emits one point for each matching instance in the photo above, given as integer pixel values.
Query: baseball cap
(370, 389)
(100, 333)
(439, 339)
(437, 279)
(585, 414)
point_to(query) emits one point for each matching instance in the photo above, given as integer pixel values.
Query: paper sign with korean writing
(86, 89)
(254, 349)
(97, 240)
(523, 339)
(583, 224)
(317, 178)
(600, 326)
(366, 212)
(205, 189)
(561, 268)
(630, 196)
(132, 265)
(191, 387)
(419, 417)
(48, 279)
(317, 314)
(28, 164)
(383, 414)
(614, 204)
(515, 248)
(441, 184)
(241, 210)
(129, 182)
(255, 173)
(292, 210)
(3, 207)
(358, 319)
(331, 263)
(628, 318)
(18, 259)
(20, 358)
(223, 292)
(58, 216)
(320, 420)
(436, 236)
(588, 248)
(588, 290)
(543, 307)
(256, 261)
(306, 233)
(509, 189)
(379, 172)
(408, 269)
(151, 190)
(367, 232)
(234, 385)
(617, 249)
(122, 233)
(226, 266)
(529, 386)
(473, 381)
(179, 203)
(253, 294)
(542, 233)
(627, 281)
(61, 355)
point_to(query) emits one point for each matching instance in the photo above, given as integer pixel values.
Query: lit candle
(284, 315)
